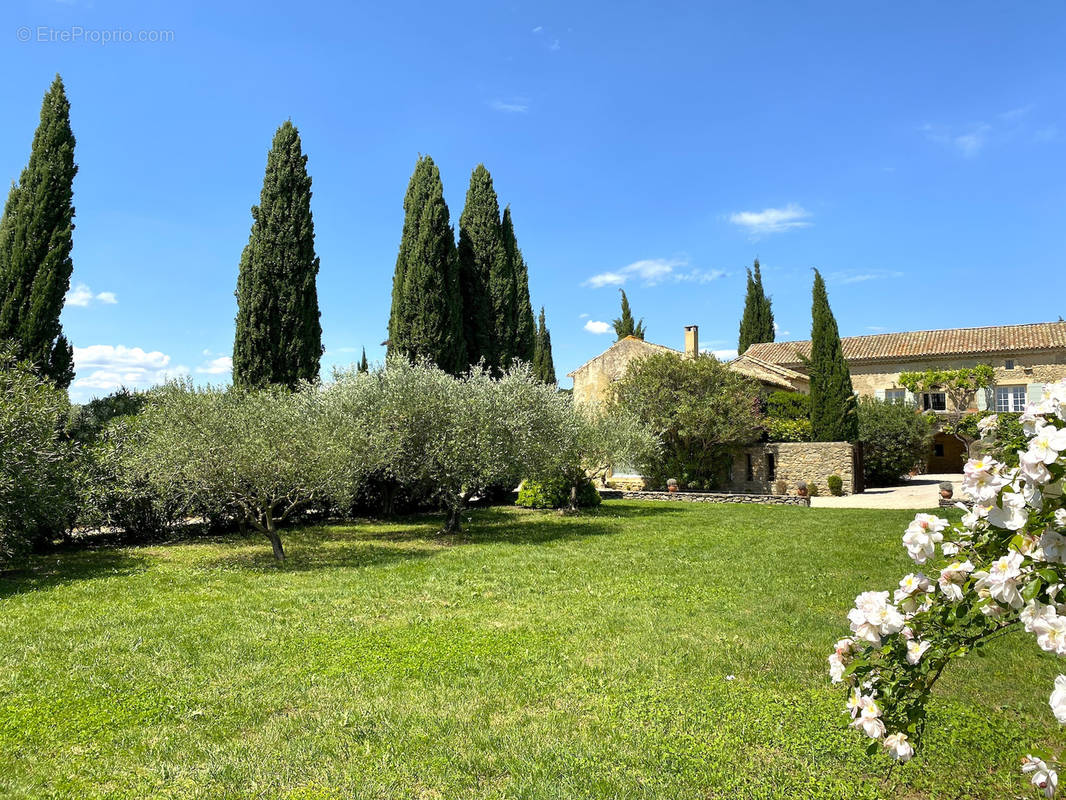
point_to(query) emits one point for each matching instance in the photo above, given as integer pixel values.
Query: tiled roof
(768, 372)
(926, 344)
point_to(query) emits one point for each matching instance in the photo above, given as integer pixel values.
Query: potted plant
(946, 490)
(801, 488)
(671, 485)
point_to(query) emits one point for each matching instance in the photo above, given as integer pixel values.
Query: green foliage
(959, 386)
(543, 364)
(426, 321)
(279, 337)
(788, 405)
(1003, 441)
(484, 283)
(624, 325)
(813, 490)
(524, 345)
(90, 420)
(895, 440)
(787, 430)
(699, 409)
(833, 412)
(555, 493)
(263, 455)
(36, 237)
(835, 484)
(37, 477)
(757, 322)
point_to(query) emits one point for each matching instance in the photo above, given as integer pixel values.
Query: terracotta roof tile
(926, 344)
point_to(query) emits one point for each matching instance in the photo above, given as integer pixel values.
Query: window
(895, 395)
(771, 467)
(751, 471)
(1010, 398)
(934, 401)
(938, 450)
(1008, 364)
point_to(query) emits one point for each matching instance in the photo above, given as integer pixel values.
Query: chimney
(692, 341)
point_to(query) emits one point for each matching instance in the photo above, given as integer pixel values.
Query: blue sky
(914, 152)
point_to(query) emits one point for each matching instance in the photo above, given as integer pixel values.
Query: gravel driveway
(922, 491)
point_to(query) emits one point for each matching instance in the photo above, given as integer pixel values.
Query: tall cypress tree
(36, 237)
(279, 335)
(543, 364)
(757, 323)
(834, 416)
(483, 276)
(364, 365)
(624, 325)
(525, 330)
(427, 319)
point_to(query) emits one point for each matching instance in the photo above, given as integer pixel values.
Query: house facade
(1023, 359)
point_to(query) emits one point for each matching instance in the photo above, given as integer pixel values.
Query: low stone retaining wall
(708, 497)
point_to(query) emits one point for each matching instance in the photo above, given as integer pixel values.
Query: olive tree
(37, 485)
(256, 452)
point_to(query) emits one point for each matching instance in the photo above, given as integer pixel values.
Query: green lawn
(537, 656)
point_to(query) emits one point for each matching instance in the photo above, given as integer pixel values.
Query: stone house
(1023, 358)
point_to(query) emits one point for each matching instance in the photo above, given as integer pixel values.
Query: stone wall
(708, 497)
(1031, 370)
(792, 462)
(592, 381)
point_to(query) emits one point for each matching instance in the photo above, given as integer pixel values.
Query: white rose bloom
(898, 747)
(1053, 545)
(1050, 633)
(952, 577)
(949, 549)
(873, 617)
(923, 535)
(1012, 515)
(1058, 699)
(868, 718)
(980, 464)
(986, 424)
(915, 651)
(1047, 442)
(1060, 517)
(1042, 776)
(1001, 580)
(983, 486)
(836, 668)
(1033, 613)
(1033, 468)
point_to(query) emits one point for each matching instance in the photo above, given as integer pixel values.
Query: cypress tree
(427, 319)
(623, 325)
(279, 336)
(543, 365)
(757, 323)
(525, 337)
(36, 237)
(364, 365)
(834, 417)
(483, 277)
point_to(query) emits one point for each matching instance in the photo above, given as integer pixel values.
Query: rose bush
(1002, 567)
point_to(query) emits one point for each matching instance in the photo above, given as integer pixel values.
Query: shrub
(835, 485)
(1004, 438)
(788, 405)
(781, 486)
(788, 430)
(37, 468)
(895, 440)
(555, 493)
(700, 410)
(813, 490)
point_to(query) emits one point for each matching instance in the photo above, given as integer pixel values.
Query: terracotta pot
(946, 493)
(802, 491)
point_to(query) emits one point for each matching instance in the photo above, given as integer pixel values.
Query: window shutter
(982, 398)
(879, 395)
(910, 399)
(1034, 393)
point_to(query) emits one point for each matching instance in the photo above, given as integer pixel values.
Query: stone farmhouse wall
(592, 381)
(812, 462)
(707, 497)
(1031, 370)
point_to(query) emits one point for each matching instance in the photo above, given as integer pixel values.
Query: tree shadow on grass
(52, 569)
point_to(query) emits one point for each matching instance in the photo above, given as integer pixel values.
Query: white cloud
(876, 328)
(519, 106)
(862, 277)
(653, 271)
(779, 332)
(772, 220)
(968, 141)
(554, 45)
(103, 368)
(582, 316)
(538, 29)
(216, 366)
(82, 296)
(1016, 113)
(724, 355)
(594, 326)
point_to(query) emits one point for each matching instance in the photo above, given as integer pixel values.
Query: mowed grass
(642, 650)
